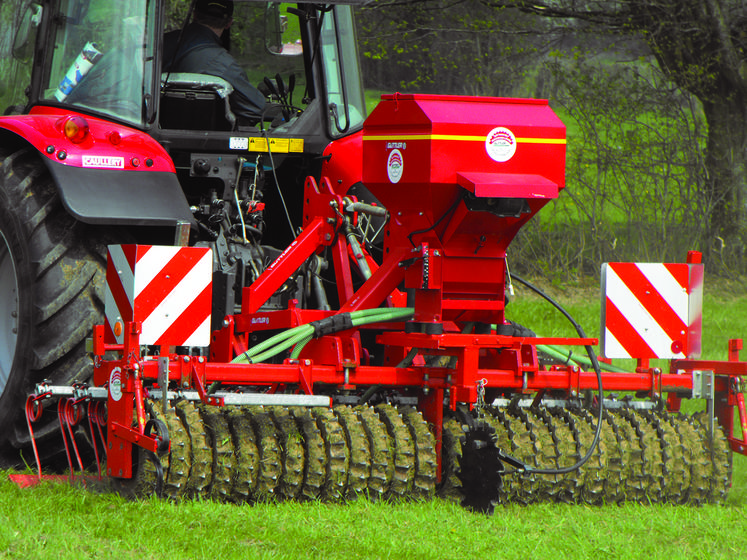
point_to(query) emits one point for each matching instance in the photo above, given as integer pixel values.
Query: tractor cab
(106, 59)
(100, 73)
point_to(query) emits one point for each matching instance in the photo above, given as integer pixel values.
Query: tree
(700, 45)
(633, 165)
(461, 47)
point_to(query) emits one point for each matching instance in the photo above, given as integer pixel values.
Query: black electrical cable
(437, 222)
(277, 182)
(597, 370)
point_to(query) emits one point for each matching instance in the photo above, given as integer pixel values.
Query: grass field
(65, 522)
(60, 521)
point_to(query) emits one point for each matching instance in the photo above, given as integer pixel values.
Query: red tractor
(313, 305)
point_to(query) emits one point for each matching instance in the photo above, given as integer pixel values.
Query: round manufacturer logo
(394, 166)
(115, 384)
(500, 144)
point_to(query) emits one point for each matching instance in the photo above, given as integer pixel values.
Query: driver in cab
(199, 49)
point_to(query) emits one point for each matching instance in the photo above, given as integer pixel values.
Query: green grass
(60, 521)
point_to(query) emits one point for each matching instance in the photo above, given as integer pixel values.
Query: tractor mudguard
(117, 197)
(110, 174)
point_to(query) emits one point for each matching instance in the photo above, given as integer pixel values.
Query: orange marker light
(76, 129)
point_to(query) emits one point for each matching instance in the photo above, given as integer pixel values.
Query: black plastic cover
(120, 197)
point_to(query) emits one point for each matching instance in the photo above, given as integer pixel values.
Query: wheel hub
(8, 311)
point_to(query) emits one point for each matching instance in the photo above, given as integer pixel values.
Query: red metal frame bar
(502, 363)
(318, 232)
(529, 377)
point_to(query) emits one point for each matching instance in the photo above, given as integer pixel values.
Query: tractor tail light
(76, 129)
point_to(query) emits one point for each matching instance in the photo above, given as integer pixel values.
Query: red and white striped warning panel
(651, 310)
(167, 289)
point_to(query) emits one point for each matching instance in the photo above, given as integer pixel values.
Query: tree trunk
(726, 167)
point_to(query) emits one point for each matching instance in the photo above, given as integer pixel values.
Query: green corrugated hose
(299, 336)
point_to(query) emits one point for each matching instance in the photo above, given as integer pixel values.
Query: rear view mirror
(282, 35)
(23, 44)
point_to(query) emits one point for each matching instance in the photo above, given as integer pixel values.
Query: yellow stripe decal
(541, 140)
(406, 137)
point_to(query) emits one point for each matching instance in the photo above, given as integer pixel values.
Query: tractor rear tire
(52, 278)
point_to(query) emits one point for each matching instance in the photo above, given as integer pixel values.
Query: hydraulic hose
(264, 345)
(594, 363)
(565, 356)
(365, 317)
(560, 355)
(299, 336)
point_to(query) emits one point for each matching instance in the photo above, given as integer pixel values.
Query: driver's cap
(217, 8)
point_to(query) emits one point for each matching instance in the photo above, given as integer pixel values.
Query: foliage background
(636, 177)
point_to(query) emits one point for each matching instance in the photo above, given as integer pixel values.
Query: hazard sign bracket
(702, 384)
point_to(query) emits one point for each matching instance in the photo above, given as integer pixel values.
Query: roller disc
(201, 473)
(179, 462)
(677, 461)
(337, 455)
(720, 455)
(315, 462)
(614, 460)
(246, 476)
(637, 479)
(291, 444)
(359, 447)
(697, 458)
(451, 456)
(382, 455)
(270, 454)
(566, 433)
(404, 451)
(523, 488)
(652, 473)
(224, 456)
(591, 475)
(424, 483)
(504, 434)
(543, 426)
(481, 467)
